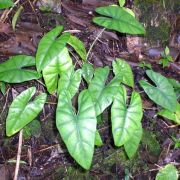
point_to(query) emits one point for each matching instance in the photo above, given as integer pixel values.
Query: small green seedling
(166, 58)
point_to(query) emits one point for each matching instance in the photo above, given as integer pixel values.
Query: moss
(149, 140)
(153, 14)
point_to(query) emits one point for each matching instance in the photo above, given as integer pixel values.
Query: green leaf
(166, 51)
(129, 11)
(3, 88)
(102, 95)
(125, 120)
(78, 45)
(123, 71)
(174, 116)
(70, 81)
(16, 16)
(132, 144)
(122, 2)
(77, 130)
(163, 93)
(98, 140)
(22, 112)
(59, 65)
(116, 18)
(12, 70)
(5, 4)
(169, 172)
(87, 72)
(174, 83)
(50, 47)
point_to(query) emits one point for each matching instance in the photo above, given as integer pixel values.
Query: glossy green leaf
(6, 4)
(125, 119)
(174, 116)
(77, 130)
(50, 47)
(169, 172)
(12, 70)
(123, 71)
(98, 140)
(87, 72)
(22, 112)
(102, 95)
(78, 45)
(60, 64)
(3, 88)
(132, 144)
(16, 16)
(174, 83)
(116, 18)
(163, 93)
(70, 81)
(129, 11)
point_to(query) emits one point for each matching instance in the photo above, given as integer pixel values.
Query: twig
(7, 12)
(92, 45)
(18, 154)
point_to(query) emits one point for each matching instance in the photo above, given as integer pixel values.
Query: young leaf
(98, 140)
(70, 81)
(50, 47)
(125, 120)
(77, 130)
(59, 65)
(102, 95)
(166, 51)
(169, 172)
(122, 2)
(16, 16)
(87, 72)
(22, 112)
(12, 70)
(132, 144)
(116, 18)
(163, 93)
(78, 45)
(6, 4)
(174, 116)
(123, 71)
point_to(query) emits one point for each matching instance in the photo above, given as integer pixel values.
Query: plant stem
(18, 154)
(92, 45)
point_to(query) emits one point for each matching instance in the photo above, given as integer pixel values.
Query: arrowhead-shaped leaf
(50, 47)
(12, 70)
(116, 18)
(70, 81)
(174, 116)
(61, 63)
(5, 4)
(163, 93)
(132, 144)
(87, 72)
(22, 112)
(102, 95)
(78, 45)
(169, 172)
(125, 119)
(123, 71)
(77, 130)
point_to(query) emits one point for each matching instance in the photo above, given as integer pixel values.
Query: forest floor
(44, 156)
